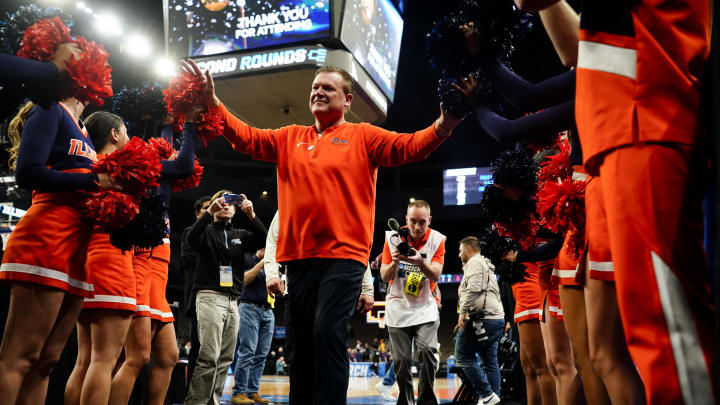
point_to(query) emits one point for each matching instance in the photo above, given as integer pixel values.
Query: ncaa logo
(318, 55)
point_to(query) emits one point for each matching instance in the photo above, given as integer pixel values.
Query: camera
(235, 199)
(404, 247)
(404, 233)
(478, 328)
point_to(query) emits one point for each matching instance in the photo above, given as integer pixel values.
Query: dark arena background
(262, 54)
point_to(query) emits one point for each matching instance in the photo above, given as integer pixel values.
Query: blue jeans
(254, 338)
(484, 376)
(389, 379)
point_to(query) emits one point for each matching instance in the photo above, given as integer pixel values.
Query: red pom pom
(136, 166)
(558, 166)
(110, 209)
(211, 125)
(521, 231)
(184, 91)
(40, 40)
(576, 242)
(90, 78)
(189, 182)
(163, 148)
(561, 204)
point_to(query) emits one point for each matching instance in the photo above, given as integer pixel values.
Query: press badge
(271, 299)
(413, 283)
(226, 279)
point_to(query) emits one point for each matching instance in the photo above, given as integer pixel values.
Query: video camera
(403, 233)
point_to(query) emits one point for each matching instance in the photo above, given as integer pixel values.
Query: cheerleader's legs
(39, 323)
(573, 304)
(137, 355)
(560, 360)
(165, 353)
(539, 382)
(74, 386)
(608, 350)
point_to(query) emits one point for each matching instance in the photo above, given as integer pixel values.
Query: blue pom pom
(13, 26)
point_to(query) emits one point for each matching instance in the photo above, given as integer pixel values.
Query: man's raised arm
(261, 144)
(387, 148)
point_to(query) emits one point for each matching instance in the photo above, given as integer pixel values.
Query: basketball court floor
(360, 391)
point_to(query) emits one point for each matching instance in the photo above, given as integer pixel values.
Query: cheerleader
(555, 97)
(45, 256)
(152, 329)
(590, 314)
(105, 318)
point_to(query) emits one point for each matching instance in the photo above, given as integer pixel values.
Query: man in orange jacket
(326, 176)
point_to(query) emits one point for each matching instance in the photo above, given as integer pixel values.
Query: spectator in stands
(218, 281)
(255, 335)
(188, 259)
(411, 311)
(351, 355)
(480, 322)
(280, 366)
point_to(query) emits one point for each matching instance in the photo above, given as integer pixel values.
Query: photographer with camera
(218, 282)
(481, 322)
(413, 259)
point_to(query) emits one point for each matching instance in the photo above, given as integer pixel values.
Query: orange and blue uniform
(151, 273)
(637, 105)
(530, 294)
(151, 266)
(111, 273)
(159, 263)
(49, 244)
(143, 269)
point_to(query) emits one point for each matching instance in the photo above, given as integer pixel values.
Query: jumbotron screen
(210, 27)
(465, 186)
(372, 31)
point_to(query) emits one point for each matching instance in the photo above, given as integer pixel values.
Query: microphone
(403, 247)
(393, 225)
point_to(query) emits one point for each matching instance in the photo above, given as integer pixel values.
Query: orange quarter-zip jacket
(326, 183)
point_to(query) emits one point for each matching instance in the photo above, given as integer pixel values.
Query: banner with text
(210, 27)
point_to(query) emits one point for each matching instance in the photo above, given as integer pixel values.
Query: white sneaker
(385, 391)
(491, 399)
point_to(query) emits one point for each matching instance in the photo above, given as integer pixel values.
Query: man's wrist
(442, 131)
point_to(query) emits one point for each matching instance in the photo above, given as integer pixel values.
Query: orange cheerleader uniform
(528, 295)
(142, 267)
(159, 265)
(111, 271)
(49, 244)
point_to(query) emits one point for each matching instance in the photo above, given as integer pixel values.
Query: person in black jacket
(188, 259)
(218, 281)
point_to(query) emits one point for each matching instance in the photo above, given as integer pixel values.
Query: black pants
(323, 296)
(194, 346)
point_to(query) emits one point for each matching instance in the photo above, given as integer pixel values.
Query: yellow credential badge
(413, 283)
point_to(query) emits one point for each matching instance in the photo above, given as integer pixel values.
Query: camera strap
(487, 285)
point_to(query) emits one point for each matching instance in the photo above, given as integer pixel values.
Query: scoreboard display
(211, 27)
(465, 186)
(372, 31)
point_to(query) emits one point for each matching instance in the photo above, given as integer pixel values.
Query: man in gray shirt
(480, 322)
